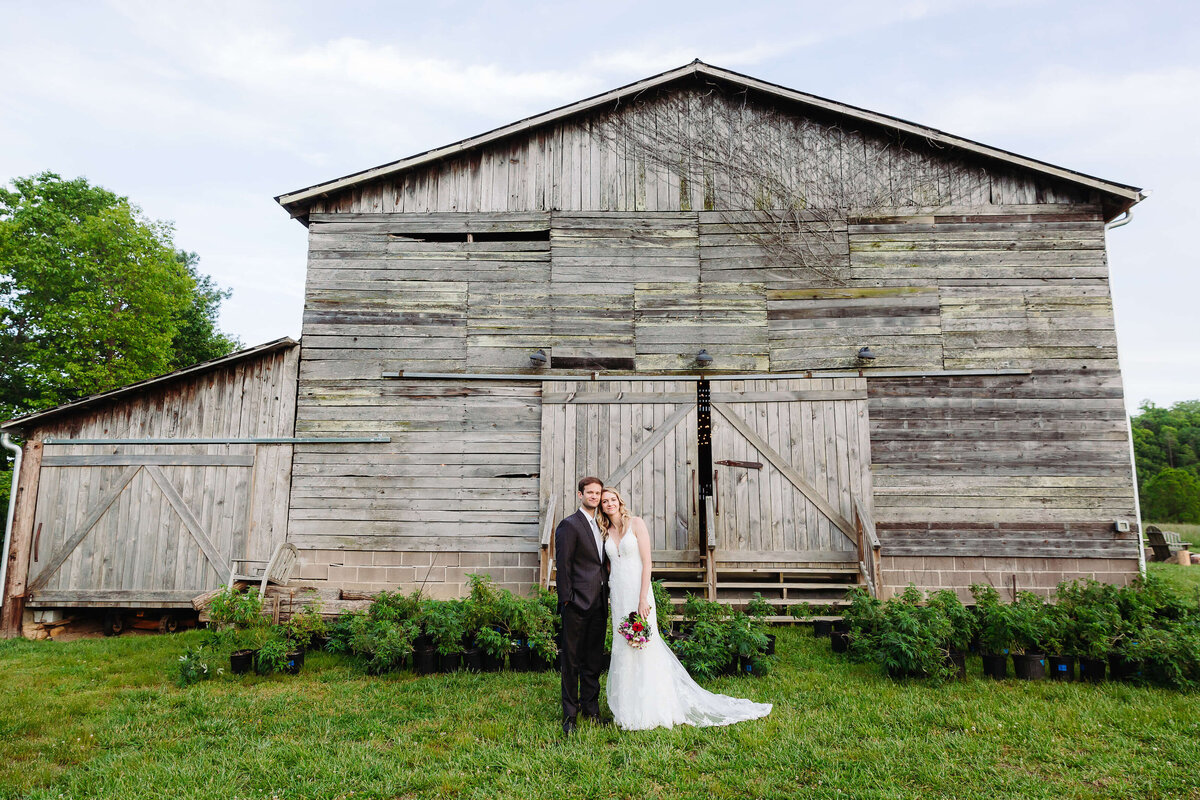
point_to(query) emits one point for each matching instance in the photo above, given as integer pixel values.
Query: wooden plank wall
(140, 549)
(1000, 467)
(581, 164)
(455, 490)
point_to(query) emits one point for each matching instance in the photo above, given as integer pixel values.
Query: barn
(812, 344)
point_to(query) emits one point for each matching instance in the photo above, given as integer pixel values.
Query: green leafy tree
(1173, 495)
(93, 296)
(1166, 444)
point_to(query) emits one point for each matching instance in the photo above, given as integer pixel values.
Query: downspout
(12, 505)
(1125, 219)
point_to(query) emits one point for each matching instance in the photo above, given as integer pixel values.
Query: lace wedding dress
(649, 688)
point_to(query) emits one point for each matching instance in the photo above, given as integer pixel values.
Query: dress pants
(582, 659)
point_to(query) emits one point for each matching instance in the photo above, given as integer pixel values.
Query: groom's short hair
(588, 481)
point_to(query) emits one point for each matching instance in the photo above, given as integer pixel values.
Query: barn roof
(203, 367)
(1123, 196)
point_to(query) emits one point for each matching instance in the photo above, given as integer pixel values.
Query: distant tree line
(1166, 444)
(93, 296)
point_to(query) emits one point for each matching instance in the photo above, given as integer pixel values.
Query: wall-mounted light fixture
(865, 354)
(538, 359)
(703, 358)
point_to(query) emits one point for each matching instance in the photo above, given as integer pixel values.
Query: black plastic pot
(518, 657)
(1029, 666)
(490, 663)
(1122, 669)
(957, 660)
(422, 641)
(450, 662)
(318, 642)
(1091, 669)
(995, 666)
(839, 641)
(1061, 668)
(770, 650)
(472, 659)
(822, 628)
(425, 660)
(241, 661)
(539, 664)
(295, 662)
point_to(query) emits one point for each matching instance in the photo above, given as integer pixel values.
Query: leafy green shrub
(273, 655)
(536, 624)
(995, 635)
(1027, 623)
(1093, 617)
(341, 630)
(963, 624)
(698, 609)
(303, 627)
(382, 645)
(192, 667)
(862, 614)
(231, 608)
(911, 637)
(662, 602)
(395, 606)
(444, 621)
(706, 652)
(758, 607)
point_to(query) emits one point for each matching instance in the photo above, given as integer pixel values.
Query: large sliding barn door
(639, 436)
(156, 526)
(790, 457)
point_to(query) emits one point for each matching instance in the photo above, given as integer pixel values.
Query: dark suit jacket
(582, 578)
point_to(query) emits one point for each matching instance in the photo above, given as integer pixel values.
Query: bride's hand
(644, 609)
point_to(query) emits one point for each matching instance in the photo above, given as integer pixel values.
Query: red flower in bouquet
(635, 630)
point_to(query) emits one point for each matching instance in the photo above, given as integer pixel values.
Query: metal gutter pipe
(12, 505)
(1125, 219)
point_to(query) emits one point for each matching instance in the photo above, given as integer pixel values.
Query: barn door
(137, 528)
(639, 436)
(790, 457)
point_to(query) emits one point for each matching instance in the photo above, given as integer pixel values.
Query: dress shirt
(596, 536)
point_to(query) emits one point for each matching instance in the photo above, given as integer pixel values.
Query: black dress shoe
(568, 726)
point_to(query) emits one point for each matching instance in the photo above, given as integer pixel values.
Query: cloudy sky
(201, 112)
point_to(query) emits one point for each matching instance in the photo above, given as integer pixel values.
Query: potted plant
(1095, 620)
(278, 654)
(909, 641)
(237, 620)
(758, 610)
(747, 645)
(307, 629)
(862, 614)
(495, 612)
(1027, 624)
(995, 636)
(444, 623)
(706, 651)
(1060, 662)
(961, 631)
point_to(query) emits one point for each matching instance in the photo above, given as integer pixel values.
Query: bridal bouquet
(635, 630)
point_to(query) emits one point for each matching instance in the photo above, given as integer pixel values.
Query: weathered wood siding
(454, 491)
(582, 164)
(123, 524)
(569, 241)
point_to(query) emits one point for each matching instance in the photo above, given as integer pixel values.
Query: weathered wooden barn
(811, 343)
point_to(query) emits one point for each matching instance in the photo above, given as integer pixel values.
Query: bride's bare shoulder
(639, 524)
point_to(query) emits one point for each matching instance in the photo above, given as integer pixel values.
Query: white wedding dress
(649, 688)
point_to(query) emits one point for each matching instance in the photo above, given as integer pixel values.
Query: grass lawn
(100, 718)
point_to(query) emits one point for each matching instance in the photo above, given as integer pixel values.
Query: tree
(198, 338)
(93, 295)
(1172, 495)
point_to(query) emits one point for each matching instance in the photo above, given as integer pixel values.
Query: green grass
(100, 718)
(1185, 579)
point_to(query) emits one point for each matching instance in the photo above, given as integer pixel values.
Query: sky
(202, 112)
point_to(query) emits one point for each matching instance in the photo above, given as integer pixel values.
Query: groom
(583, 604)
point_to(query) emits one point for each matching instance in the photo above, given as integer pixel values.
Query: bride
(649, 688)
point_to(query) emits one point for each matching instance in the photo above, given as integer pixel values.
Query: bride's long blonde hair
(607, 524)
